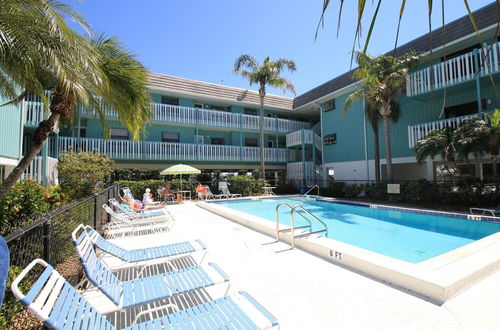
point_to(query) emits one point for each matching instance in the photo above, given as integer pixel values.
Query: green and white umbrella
(180, 169)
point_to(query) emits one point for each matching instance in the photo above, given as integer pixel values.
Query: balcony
(477, 63)
(35, 171)
(165, 113)
(303, 172)
(420, 131)
(164, 151)
(306, 135)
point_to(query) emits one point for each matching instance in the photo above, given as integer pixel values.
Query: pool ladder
(311, 189)
(295, 210)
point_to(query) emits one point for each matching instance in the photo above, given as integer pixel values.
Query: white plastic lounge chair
(143, 290)
(211, 195)
(225, 191)
(123, 219)
(60, 306)
(149, 255)
(486, 211)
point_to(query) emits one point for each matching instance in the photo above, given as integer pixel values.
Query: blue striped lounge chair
(143, 290)
(121, 224)
(60, 306)
(148, 255)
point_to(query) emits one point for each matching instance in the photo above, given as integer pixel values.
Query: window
(216, 140)
(119, 133)
(250, 111)
(250, 142)
(330, 139)
(83, 132)
(218, 108)
(169, 100)
(270, 144)
(198, 139)
(170, 137)
(198, 105)
(329, 105)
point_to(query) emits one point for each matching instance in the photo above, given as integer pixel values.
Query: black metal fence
(49, 237)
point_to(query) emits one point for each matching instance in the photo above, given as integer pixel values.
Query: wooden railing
(466, 67)
(420, 131)
(148, 150)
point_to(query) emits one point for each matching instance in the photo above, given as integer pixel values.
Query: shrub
(376, 190)
(83, 173)
(245, 185)
(135, 174)
(283, 187)
(11, 306)
(335, 189)
(25, 199)
(353, 190)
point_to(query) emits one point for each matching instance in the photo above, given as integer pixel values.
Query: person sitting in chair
(173, 196)
(147, 197)
(201, 191)
(138, 207)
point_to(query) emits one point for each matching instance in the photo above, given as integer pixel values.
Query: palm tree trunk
(41, 135)
(376, 152)
(494, 163)
(60, 106)
(387, 139)
(262, 94)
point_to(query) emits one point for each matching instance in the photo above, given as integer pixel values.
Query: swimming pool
(406, 236)
(431, 253)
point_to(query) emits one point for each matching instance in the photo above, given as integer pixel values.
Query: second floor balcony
(165, 151)
(305, 136)
(419, 132)
(469, 66)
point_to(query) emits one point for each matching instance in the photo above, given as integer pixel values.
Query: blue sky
(200, 39)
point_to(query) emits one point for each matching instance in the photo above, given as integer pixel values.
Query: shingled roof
(485, 17)
(232, 94)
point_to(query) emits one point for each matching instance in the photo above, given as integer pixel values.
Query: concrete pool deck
(306, 292)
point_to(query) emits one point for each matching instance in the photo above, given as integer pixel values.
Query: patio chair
(139, 256)
(123, 225)
(225, 191)
(60, 306)
(210, 194)
(143, 290)
(484, 211)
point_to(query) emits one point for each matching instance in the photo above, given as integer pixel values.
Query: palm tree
(438, 142)
(75, 70)
(384, 78)
(494, 140)
(373, 116)
(471, 137)
(264, 74)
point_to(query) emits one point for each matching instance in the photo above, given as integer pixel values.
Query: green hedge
(135, 174)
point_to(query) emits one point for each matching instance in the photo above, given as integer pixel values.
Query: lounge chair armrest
(15, 284)
(154, 309)
(77, 229)
(204, 247)
(260, 308)
(220, 271)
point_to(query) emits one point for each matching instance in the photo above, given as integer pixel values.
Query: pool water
(406, 236)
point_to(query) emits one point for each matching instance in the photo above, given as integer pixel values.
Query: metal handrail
(294, 210)
(307, 192)
(292, 227)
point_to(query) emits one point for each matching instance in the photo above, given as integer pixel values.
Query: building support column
(477, 53)
(303, 158)
(241, 137)
(429, 164)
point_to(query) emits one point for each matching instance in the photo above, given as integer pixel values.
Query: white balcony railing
(310, 137)
(420, 131)
(466, 67)
(35, 171)
(147, 150)
(215, 118)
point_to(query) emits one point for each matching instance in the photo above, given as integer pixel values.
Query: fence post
(46, 240)
(107, 202)
(95, 211)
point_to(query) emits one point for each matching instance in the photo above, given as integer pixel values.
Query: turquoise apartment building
(309, 138)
